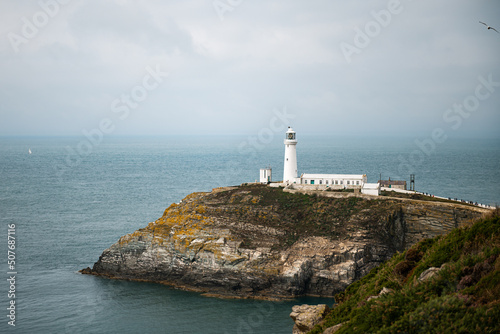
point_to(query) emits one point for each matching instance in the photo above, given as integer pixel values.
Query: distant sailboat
(29, 150)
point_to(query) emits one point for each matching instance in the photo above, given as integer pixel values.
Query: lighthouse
(290, 169)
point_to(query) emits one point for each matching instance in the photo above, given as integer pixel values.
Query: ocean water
(70, 200)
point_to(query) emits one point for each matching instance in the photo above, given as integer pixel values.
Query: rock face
(307, 316)
(257, 241)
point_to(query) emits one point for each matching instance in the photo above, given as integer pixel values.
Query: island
(259, 241)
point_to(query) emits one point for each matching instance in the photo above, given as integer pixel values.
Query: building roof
(371, 186)
(392, 182)
(332, 176)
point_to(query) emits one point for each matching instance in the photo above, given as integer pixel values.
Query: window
(336, 181)
(357, 183)
(326, 181)
(341, 181)
(320, 181)
(305, 181)
(312, 181)
(348, 182)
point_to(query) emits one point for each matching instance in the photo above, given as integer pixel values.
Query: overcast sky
(336, 67)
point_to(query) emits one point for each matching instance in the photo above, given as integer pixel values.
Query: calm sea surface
(68, 207)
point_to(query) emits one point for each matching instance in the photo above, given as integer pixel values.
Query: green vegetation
(462, 297)
(340, 190)
(300, 215)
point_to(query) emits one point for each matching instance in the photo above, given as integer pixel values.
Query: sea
(73, 197)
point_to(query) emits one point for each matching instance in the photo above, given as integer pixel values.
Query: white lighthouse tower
(290, 170)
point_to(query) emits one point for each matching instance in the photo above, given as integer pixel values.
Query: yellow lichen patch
(172, 206)
(187, 220)
(132, 237)
(201, 209)
(185, 215)
(161, 231)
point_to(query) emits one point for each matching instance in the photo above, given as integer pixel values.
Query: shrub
(413, 255)
(404, 268)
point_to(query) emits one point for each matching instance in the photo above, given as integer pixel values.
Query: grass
(301, 215)
(463, 297)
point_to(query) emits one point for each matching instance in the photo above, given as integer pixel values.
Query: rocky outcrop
(428, 274)
(333, 329)
(258, 241)
(384, 291)
(306, 317)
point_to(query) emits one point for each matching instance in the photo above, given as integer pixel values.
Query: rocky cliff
(447, 284)
(258, 241)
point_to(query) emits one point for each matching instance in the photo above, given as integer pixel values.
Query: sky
(347, 68)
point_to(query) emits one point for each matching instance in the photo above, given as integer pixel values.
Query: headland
(257, 241)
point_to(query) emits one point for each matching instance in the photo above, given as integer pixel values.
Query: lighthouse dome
(290, 135)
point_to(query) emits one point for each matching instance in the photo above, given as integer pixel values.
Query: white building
(334, 180)
(318, 181)
(265, 175)
(371, 189)
(290, 167)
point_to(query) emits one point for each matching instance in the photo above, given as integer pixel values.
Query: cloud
(226, 76)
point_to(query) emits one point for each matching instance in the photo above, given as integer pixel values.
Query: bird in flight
(487, 26)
